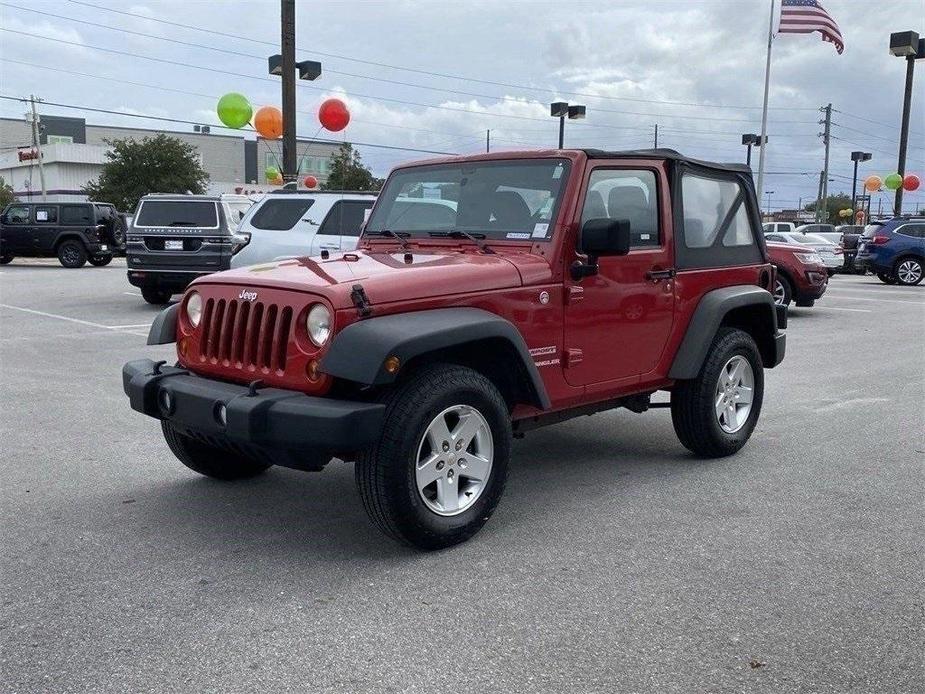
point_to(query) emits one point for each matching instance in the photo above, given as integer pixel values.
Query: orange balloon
(268, 122)
(873, 183)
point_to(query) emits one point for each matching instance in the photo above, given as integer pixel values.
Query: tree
(349, 173)
(159, 164)
(6, 193)
(834, 204)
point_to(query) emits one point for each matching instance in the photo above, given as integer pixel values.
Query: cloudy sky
(433, 75)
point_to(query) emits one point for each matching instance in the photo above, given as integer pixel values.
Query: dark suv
(173, 239)
(74, 232)
(894, 250)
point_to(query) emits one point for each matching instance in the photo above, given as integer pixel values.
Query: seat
(594, 207)
(510, 212)
(629, 202)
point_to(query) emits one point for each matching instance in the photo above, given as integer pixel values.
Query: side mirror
(601, 237)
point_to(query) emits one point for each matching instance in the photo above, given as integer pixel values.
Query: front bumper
(814, 286)
(270, 419)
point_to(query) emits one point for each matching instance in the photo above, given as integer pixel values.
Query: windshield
(177, 213)
(871, 230)
(498, 199)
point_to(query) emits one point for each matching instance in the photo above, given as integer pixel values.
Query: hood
(387, 277)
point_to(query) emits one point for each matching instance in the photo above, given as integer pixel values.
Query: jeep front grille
(245, 335)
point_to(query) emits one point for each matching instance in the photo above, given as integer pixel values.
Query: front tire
(6, 259)
(101, 260)
(908, 271)
(438, 471)
(783, 292)
(72, 254)
(208, 460)
(885, 278)
(154, 296)
(715, 413)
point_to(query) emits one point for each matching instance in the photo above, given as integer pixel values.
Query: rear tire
(72, 254)
(6, 259)
(101, 260)
(908, 271)
(438, 470)
(208, 460)
(885, 278)
(697, 405)
(155, 296)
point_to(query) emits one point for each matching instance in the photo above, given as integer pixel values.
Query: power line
(877, 137)
(429, 72)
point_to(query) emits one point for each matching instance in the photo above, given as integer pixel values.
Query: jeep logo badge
(247, 296)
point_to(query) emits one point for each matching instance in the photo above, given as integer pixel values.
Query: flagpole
(764, 110)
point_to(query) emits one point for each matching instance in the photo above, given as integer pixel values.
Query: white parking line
(131, 293)
(115, 328)
(883, 301)
(138, 325)
(874, 290)
(836, 308)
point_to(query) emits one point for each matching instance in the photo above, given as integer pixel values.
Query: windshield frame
(417, 235)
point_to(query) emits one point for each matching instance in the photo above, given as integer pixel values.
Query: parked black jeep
(175, 238)
(74, 232)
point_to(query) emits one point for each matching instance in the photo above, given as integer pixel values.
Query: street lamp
(562, 110)
(908, 45)
(857, 157)
(769, 193)
(749, 140)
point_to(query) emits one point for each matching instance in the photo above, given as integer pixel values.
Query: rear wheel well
(495, 358)
(68, 237)
(758, 321)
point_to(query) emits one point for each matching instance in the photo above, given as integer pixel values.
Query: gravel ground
(615, 563)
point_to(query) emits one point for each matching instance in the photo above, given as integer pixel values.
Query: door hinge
(573, 356)
(575, 294)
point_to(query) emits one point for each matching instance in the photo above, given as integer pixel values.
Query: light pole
(769, 193)
(857, 157)
(908, 45)
(749, 140)
(562, 110)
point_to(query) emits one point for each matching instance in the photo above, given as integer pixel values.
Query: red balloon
(310, 182)
(333, 114)
(911, 182)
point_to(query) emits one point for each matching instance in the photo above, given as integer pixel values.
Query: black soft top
(669, 154)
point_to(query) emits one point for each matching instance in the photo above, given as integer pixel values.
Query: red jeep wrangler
(490, 295)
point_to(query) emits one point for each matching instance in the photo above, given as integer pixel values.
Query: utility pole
(819, 195)
(287, 41)
(656, 136)
(488, 140)
(37, 143)
(825, 172)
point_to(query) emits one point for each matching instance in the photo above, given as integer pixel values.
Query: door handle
(658, 275)
(331, 246)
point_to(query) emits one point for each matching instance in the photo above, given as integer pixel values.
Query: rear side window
(177, 213)
(718, 228)
(280, 215)
(46, 214)
(345, 218)
(78, 215)
(916, 231)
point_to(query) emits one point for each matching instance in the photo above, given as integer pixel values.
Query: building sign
(26, 156)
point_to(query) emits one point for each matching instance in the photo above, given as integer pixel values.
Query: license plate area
(173, 244)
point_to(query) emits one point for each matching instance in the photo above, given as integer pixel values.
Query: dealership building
(74, 152)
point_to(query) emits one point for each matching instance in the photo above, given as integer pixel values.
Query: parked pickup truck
(556, 284)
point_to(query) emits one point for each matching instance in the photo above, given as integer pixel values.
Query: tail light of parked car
(879, 240)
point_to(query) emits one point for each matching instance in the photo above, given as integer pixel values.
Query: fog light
(311, 370)
(166, 401)
(392, 364)
(183, 346)
(221, 414)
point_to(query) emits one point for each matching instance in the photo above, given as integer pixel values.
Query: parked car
(802, 277)
(74, 232)
(175, 238)
(774, 227)
(554, 285)
(894, 251)
(291, 224)
(831, 253)
(815, 229)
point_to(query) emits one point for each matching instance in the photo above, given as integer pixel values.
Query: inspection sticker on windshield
(557, 172)
(517, 235)
(539, 230)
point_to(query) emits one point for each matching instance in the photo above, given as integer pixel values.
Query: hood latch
(360, 300)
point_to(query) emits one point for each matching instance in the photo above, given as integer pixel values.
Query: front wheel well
(757, 321)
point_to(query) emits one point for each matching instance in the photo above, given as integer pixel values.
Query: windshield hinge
(360, 300)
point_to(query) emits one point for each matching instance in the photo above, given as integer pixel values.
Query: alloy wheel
(735, 390)
(780, 294)
(454, 460)
(909, 271)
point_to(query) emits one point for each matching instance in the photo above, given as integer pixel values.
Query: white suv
(292, 224)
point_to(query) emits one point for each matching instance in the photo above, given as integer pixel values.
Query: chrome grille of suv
(242, 334)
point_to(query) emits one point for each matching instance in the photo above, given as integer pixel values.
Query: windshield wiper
(476, 238)
(400, 236)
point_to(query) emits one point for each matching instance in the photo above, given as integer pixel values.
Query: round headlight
(318, 324)
(194, 309)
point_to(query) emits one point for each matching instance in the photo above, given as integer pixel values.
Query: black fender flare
(163, 329)
(707, 318)
(359, 351)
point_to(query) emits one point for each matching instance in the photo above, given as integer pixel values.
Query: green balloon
(893, 181)
(271, 172)
(234, 110)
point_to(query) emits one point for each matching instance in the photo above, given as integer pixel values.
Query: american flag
(807, 16)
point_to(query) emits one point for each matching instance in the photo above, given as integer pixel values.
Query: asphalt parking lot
(615, 563)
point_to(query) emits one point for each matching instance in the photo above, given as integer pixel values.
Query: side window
(775, 237)
(77, 215)
(18, 214)
(625, 194)
(345, 217)
(916, 231)
(280, 214)
(718, 227)
(46, 214)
